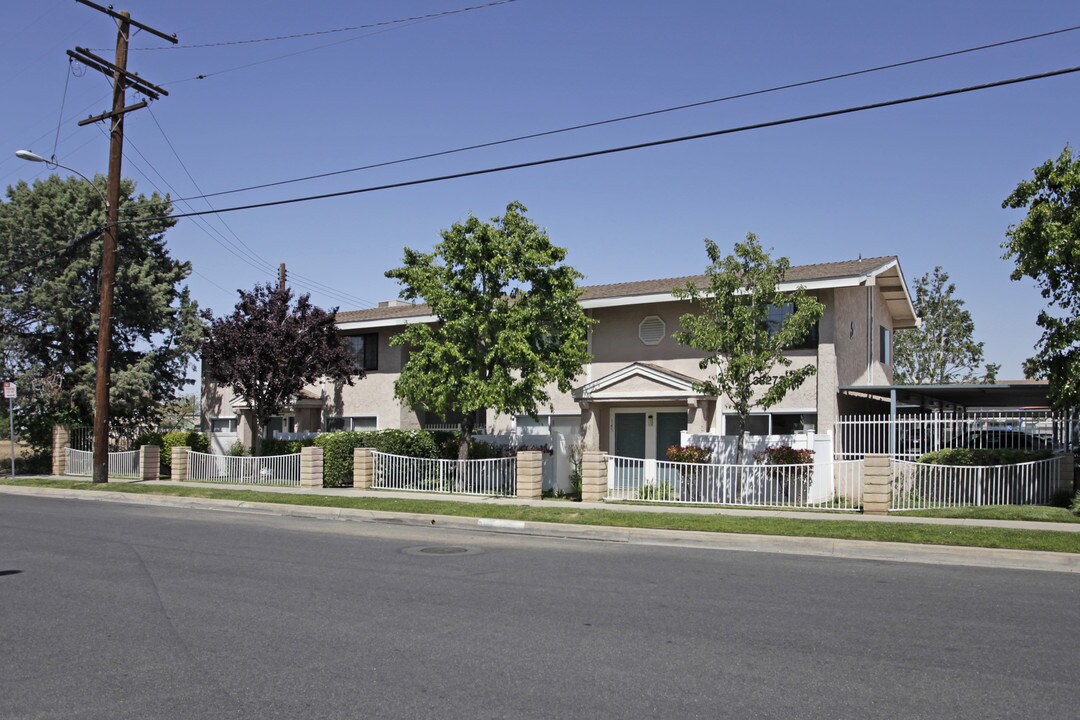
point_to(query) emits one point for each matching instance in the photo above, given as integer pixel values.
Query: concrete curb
(818, 547)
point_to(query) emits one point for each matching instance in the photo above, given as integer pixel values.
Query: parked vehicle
(997, 439)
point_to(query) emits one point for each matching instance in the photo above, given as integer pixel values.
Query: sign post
(11, 392)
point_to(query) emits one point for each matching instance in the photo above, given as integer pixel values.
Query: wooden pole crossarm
(106, 116)
(109, 11)
(132, 79)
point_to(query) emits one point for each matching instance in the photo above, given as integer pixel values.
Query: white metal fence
(920, 433)
(466, 477)
(920, 486)
(835, 484)
(269, 470)
(121, 464)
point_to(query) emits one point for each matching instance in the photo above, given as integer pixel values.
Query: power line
(204, 76)
(415, 18)
(244, 253)
(325, 289)
(635, 116)
(627, 148)
(71, 245)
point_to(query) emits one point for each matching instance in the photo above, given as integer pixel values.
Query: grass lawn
(1026, 539)
(1034, 513)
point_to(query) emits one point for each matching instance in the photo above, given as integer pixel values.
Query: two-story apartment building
(636, 395)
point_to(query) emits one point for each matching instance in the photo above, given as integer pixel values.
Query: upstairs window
(779, 313)
(885, 345)
(365, 350)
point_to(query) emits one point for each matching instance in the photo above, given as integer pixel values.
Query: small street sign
(10, 392)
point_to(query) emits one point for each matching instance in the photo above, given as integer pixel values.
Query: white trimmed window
(352, 423)
(772, 423)
(223, 425)
(652, 330)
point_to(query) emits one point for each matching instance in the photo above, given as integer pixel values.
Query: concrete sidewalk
(809, 546)
(837, 516)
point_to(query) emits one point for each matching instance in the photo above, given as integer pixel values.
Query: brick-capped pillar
(594, 476)
(1066, 470)
(150, 462)
(179, 460)
(530, 474)
(877, 484)
(311, 467)
(61, 439)
(363, 468)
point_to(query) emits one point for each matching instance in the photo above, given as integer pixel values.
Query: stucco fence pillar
(149, 462)
(594, 476)
(877, 484)
(61, 439)
(311, 467)
(363, 468)
(530, 474)
(179, 460)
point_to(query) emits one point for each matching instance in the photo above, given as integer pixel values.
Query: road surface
(126, 611)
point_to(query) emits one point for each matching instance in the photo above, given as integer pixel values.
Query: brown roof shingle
(797, 273)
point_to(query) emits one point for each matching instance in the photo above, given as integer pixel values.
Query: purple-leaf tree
(268, 349)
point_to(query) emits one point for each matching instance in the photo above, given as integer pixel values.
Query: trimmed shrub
(983, 456)
(447, 443)
(688, 454)
(284, 447)
(338, 450)
(1075, 507)
(784, 455)
(174, 438)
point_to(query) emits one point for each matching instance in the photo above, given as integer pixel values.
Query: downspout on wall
(870, 285)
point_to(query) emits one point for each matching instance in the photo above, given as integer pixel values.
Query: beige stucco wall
(852, 335)
(374, 394)
(841, 358)
(615, 341)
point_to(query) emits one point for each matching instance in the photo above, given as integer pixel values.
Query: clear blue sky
(922, 181)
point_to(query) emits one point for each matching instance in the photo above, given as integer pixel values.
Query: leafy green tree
(744, 336)
(268, 349)
(509, 323)
(942, 349)
(49, 299)
(1046, 248)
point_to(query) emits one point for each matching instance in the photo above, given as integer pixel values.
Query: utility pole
(281, 277)
(122, 79)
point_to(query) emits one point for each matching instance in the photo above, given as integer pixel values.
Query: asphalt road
(122, 611)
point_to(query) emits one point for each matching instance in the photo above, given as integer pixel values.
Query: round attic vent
(652, 330)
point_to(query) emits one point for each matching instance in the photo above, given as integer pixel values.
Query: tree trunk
(256, 435)
(739, 457)
(467, 426)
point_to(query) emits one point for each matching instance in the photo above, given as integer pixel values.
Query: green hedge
(338, 450)
(983, 456)
(174, 438)
(284, 447)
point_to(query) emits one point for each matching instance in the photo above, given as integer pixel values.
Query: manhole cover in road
(441, 550)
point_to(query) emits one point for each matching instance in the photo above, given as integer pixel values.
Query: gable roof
(819, 275)
(638, 381)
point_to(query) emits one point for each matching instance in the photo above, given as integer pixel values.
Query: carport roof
(1002, 394)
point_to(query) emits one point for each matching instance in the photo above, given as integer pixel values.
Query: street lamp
(30, 156)
(108, 270)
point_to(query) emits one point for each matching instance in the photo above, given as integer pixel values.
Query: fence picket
(122, 465)
(919, 433)
(497, 476)
(923, 486)
(835, 485)
(265, 470)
